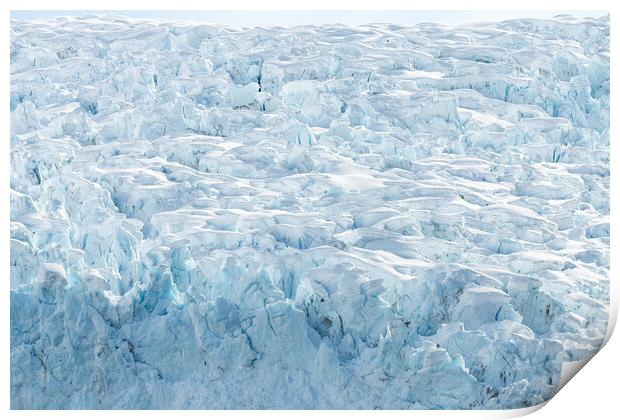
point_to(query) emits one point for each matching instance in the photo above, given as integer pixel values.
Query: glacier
(374, 216)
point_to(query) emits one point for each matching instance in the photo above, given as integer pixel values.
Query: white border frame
(596, 392)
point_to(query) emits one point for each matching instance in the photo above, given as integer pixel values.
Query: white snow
(341, 217)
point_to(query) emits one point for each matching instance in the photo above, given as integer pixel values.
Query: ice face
(313, 217)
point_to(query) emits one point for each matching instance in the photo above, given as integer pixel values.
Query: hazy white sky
(293, 18)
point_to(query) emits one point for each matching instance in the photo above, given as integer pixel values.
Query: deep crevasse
(313, 217)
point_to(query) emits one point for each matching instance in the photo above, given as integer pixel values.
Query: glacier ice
(377, 216)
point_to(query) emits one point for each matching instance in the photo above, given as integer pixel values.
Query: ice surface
(314, 217)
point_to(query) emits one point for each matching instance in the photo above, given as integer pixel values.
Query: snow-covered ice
(313, 217)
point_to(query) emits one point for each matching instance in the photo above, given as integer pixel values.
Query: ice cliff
(312, 217)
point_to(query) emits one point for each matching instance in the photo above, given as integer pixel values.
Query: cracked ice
(313, 217)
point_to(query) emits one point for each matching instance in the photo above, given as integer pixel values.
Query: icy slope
(315, 217)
